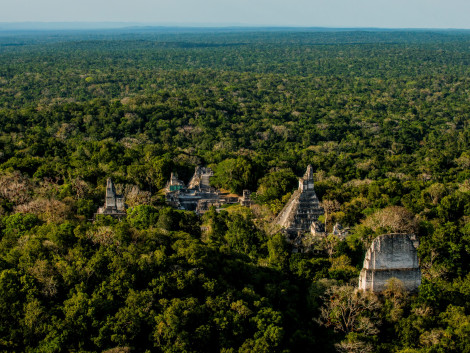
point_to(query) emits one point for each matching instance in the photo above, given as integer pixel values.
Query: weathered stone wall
(390, 256)
(391, 251)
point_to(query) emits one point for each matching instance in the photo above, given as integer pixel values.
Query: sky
(302, 13)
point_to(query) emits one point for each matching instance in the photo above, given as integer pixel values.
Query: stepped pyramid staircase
(302, 209)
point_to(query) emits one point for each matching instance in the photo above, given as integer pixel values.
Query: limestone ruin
(114, 204)
(174, 184)
(391, 256)
(201, 179)
(317, 229)
(301, 211)
(199, 196)
(245, 199)
(340, 231)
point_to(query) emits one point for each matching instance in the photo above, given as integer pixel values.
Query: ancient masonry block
(391, 256)
(199, 195)
(301, 210)
(114, 204)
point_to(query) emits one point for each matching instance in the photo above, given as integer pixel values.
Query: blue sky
(312, 13)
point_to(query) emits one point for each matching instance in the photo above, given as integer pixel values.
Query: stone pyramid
(302, 209)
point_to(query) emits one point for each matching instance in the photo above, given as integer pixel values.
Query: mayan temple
(201, 178)
(391, 256)
(114, 204)
(302, 209)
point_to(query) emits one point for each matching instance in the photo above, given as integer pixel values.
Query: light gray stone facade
(390, 256)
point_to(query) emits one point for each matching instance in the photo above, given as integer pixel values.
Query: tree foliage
(382, 116)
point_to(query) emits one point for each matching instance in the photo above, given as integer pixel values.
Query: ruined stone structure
(302, 209)
(114, 204)
(246, 200)
(198, 196)
(390, 256)
(174, 184)
(340, 231)
(201, 179)
(317, 229)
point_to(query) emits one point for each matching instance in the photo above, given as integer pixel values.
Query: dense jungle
(382, 116)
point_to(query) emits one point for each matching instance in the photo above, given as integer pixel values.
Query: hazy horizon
(399, 14)
(98, 25)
